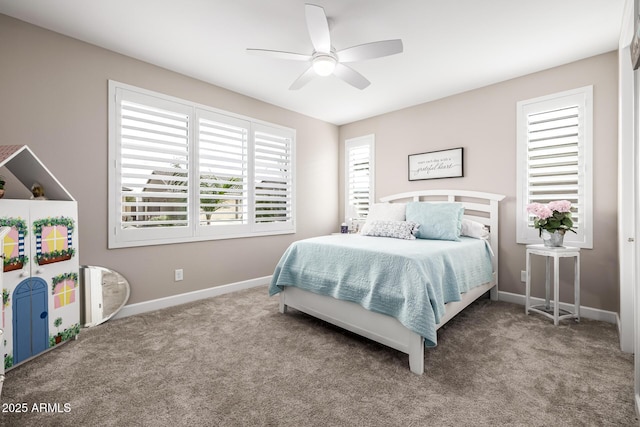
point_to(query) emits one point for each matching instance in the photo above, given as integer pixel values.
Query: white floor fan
(325, 60)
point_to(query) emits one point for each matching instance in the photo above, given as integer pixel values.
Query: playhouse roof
(27, 168)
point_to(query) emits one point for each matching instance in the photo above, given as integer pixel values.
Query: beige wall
(483, 121)
(53, 97)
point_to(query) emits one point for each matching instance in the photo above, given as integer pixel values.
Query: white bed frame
(481, 207)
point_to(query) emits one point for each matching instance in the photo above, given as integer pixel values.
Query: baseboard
(156, 304)
(619, 325)
(586, 312)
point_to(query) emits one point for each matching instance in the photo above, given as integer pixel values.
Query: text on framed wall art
(436, 164)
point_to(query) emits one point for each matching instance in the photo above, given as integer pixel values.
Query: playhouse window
(54, 238)
(11, 244)
(64, 293)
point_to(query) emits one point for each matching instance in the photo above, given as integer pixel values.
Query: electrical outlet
(178, 275)
(523, 276)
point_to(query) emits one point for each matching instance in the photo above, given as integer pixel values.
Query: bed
(398, 290)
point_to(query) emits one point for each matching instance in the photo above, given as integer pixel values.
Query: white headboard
(478, 206)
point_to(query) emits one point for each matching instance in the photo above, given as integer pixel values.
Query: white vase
(553, 240)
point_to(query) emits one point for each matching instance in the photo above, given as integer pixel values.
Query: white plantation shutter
(181, 171)
(553, 157)
(153, 167)
(554, 160)
(222, 170)
(273, 177)
(359, 175)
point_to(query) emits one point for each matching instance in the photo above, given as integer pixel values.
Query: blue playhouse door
(30, 319)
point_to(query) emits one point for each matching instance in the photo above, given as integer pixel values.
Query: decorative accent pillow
(438, 221)
(474, 229)
(396, 229)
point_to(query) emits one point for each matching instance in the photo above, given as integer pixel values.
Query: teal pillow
(438, 221)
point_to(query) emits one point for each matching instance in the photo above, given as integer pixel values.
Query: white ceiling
(449, 46)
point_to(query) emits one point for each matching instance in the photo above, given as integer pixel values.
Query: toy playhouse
(40, 300)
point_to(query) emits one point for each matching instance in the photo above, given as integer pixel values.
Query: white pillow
(474, 229)
(387, 212)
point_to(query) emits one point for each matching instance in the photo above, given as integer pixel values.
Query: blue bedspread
(410, 280)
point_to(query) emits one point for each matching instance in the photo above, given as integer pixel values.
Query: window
(554, 137)
(54, 239)
(64, 289)
(273, 179)
(14, 256)
(359, 176)
(181, 171)
(223, 195)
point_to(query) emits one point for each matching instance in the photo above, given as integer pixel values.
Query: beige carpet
(235, 361)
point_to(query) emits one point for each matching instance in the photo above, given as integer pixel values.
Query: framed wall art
(436, 164)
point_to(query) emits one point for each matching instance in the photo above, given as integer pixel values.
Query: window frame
(193, 231)
(349, 144)
(583, 99)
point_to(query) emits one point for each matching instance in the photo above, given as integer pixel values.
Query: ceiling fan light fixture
(324, 60)
(324, 65)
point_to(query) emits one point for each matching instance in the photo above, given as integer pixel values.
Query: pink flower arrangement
(554, 216)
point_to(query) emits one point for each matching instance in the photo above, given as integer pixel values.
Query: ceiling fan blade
(351, 76)
(279, 54)
(370, 50)
(304, 78)
(318, 28)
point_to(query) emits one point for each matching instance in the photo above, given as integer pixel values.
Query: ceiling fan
(325, 60)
